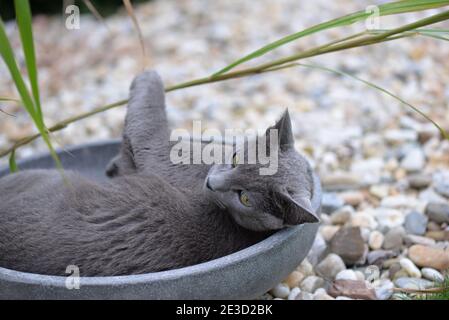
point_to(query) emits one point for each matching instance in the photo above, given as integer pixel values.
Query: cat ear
(284, 129)
(297, 211)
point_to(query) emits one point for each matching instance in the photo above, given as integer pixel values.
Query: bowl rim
(204, 267)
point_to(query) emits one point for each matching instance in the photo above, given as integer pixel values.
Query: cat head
(265, 202)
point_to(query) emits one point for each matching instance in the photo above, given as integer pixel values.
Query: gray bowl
(245, 274)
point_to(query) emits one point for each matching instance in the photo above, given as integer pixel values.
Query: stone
(410, 267)
(419, 181)
(398, 202)
(305, 268)
(330, 266)
(443, 188)
(393, 270)
(342, 215)
(363, 220)
(311, 283)
(401, 274)
(388, 218)
(438, 212)
(353, 198)
(359, 275)
(433, 226)
(424, 256)
(414, 160)
(331, 202)
(376, 239)
(377, 257)
(294, 279)
(380, 191)
(429, 195)
(415, 223)
(349, 245)
(352, 288)
(293, 293)
(413, 283)
(347, 274)
(432, 275)
(399, 136)
(304, 296)
(413, 239)
(328, 232)
(385, 289)
(340, 181)
(322, 296)
(393, 239)
(318, 249)
(343, 298)
(441, 235)
(281, 290)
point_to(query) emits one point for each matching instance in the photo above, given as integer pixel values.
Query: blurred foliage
(105, 7)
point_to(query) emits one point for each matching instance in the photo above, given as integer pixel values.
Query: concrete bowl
(245, 274)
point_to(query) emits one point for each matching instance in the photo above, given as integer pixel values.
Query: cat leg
(146, 128)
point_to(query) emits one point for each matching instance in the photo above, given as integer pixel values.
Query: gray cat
(153, 215)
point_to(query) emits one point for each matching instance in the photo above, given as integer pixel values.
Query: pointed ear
(297, 211)
(284, 129)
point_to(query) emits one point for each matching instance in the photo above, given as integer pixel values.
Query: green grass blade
(8, 99)
(24, 22)
(7, 54)
(390, 8)
(383, 90)
(12, 162)
(8, 57)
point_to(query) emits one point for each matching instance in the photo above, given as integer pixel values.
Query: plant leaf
(23, 17)
(12, 162)
(390, 8)
(131, 13)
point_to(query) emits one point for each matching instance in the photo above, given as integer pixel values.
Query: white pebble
(432, 274)
(385, 289)
(293, 293)
(410, 267)
(360, 276)
(343, 298)
(328, 232)
(376, 239)
(346, 275)
(281, 291)
(305, 268)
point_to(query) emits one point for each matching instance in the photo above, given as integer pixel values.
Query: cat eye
(235, 160)
(244, 199)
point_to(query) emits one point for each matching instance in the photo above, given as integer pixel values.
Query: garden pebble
(432, 274)
(438, 212)
(410, 267)
(424, 256)
(330, 266)
(353, 289)
(349, 245)
(311, 283)
(415, 223)
(413, 283)
(281, 290)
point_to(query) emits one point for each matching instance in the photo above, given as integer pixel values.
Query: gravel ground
(384, 170)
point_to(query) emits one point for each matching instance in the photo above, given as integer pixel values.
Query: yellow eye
(244, 199)
(235, 160)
